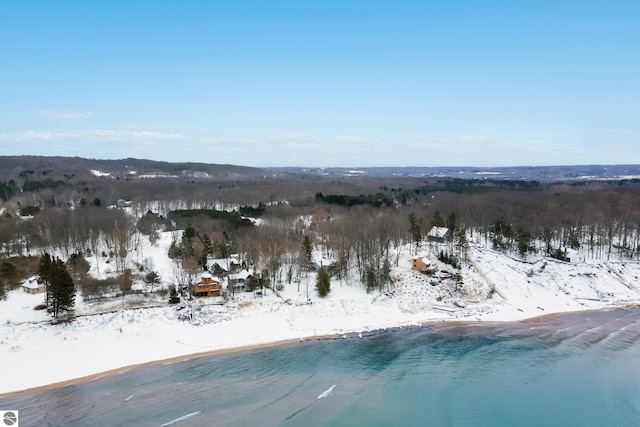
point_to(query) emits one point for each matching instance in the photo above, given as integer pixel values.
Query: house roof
(31, 285)
(242, 274)
(438, 232)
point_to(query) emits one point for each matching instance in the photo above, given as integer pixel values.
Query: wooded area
(352, 221)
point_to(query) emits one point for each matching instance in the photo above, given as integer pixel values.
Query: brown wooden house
(422, 264)
(207, 286)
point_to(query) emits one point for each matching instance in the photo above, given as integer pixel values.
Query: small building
(568, 255)
(234, 263)
(207, 286)
(422, 264)
(122, 203)
(239, 282)
(33, 287)
(322, 263)
(439, 234)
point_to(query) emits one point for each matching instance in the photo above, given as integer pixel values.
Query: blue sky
(325, 83)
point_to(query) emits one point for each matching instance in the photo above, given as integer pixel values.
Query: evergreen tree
(306, 259)
(438, 219)
(323, 283)
(414, 230)
(259, 281)
(174, 298)
(61, 290)
(44, 269)
(307, 253)
(152, 279)
(10, 275)
(370, 279)
(188, 249)
(218, 271)
(207, 249)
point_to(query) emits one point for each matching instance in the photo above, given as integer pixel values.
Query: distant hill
(542, 173)
(40, 167)
(12, 167)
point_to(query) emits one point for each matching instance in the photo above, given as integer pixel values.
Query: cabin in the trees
(439, 234)
(322, 263)
(230, 265)
(423, 265)
(33, 287)
(207, 286)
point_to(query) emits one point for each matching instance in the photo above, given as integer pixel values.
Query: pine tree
(307, 253)
(370, 278)
(61, 290)
(323, 283)
(306, 259)
(174, 298)
(152, 279)
(414, 230)
(10, 275)
(44, 269)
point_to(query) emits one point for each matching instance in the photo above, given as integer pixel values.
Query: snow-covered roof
(438, 232)
(243, 274)
(31, 284)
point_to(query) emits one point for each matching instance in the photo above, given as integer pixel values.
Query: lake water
(569, 370)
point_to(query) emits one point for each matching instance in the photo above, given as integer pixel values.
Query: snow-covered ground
(103, 337)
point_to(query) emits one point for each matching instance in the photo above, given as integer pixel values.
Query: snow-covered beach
(105, 339)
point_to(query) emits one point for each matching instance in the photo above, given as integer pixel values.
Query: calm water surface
(570, 370)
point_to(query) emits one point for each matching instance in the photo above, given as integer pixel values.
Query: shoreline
(451, 323)
(169, 360)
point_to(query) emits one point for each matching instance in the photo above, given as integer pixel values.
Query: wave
(322, 395)
(182, 418)
(327, 392)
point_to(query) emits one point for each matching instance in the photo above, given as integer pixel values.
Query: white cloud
(90, 135)
(353, 139)
(66, 114)
(477, 138)
(224, 143)
(30, 135)
(290, 137)
(426, 146)
(140, 135)
(299, 141)
(622, 133)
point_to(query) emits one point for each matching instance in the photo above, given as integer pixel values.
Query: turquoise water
(570, 370)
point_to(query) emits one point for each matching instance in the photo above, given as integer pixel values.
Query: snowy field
(104, 337)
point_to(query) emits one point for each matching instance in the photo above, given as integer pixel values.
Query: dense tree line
(376, 200)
